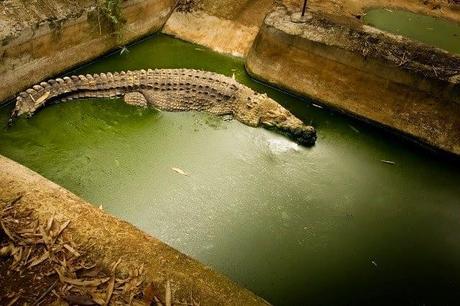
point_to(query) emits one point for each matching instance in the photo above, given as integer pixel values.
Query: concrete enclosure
(359, 71)
(69, 35)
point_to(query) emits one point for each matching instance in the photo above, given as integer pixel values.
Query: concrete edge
(106, 239)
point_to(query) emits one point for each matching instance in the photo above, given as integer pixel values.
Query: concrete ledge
(108, 239)
(46, 47)
(409, 87)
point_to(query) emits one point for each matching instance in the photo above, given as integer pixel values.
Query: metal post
(304, 7)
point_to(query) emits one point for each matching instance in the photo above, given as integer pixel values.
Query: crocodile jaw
(302, 134)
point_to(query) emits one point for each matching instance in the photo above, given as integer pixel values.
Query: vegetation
(110, 11)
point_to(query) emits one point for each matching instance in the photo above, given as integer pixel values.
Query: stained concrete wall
(225, 26)
(40, 40)
(324, 63)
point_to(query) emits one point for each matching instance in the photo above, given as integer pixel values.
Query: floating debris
(180, 171)
(124, 50)
(317, 106)
(353, 128)
(374, 263)
(388, 162)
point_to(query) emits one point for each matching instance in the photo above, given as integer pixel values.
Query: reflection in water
(328, 225)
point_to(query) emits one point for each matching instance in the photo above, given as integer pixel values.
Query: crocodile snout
(304, 135)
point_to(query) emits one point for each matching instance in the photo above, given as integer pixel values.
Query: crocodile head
(260, 110)
(286, 123)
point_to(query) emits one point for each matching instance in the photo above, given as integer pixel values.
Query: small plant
(110, 11)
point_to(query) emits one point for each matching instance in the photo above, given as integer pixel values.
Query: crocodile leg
(135, 98)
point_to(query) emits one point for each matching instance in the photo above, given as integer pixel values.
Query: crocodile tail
(81, 86)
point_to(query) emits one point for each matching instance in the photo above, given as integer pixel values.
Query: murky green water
(327, 225)
(430, 30)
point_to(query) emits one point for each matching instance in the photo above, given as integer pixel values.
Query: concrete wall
(107, 239)
(307, 62)
(225, 26)
(48, 45)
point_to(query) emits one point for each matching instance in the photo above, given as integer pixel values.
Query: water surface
(433, 31)
(327, 225)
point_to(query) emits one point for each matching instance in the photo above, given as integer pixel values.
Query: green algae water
(327, 225)
(430, 30)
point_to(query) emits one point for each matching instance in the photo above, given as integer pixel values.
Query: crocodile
(171, 90)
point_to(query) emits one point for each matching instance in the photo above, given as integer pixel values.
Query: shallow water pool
(329, 225)
(430, 30)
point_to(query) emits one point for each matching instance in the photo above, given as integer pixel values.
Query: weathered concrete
(230, 26)
(107, 239)
(350, 10)
(387, 79)
(225, 26)
(220, 35)
(42, 39)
